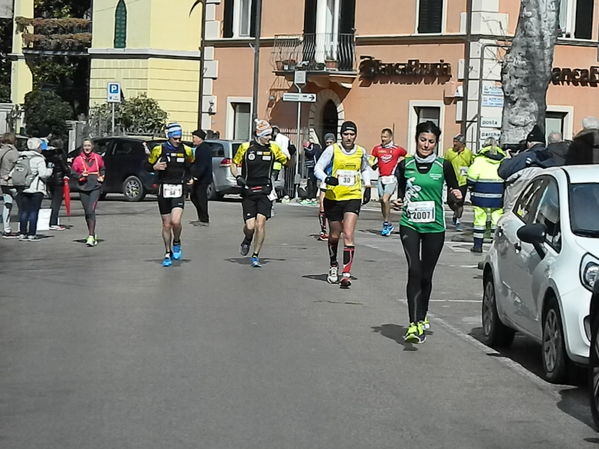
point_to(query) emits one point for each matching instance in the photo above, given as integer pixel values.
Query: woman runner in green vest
(422, 226)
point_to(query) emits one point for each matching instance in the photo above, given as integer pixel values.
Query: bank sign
(371, 69)
(576, 77)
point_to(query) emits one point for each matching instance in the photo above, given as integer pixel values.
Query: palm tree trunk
(526, 71)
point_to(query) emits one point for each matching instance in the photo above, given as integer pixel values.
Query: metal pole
(466, 86)
(256, 62)
(201, 83)
(299, 143)
(113, 119)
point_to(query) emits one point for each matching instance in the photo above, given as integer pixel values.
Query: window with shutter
(120, 25)
(584, 19)
(430, 16)
(228, 19)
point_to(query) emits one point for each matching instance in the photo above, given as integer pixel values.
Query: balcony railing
(314, 52)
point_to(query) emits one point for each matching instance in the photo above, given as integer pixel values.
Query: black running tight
(89, 200)
(422, 251)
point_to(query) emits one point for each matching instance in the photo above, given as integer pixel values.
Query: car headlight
(589, 271)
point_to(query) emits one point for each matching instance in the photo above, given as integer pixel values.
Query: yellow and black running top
(178, 163)
(257, 162)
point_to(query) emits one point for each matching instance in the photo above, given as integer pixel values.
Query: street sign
(113, 93)
(489, 132)
(299, 98)
(299, 78)
(492, 102)
(494, 91)
(490, 122)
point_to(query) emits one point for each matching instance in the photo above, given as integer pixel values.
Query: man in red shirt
(386, 156)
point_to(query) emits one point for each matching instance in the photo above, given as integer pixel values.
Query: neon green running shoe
(421, 334)
(411, 335)
(426, 323)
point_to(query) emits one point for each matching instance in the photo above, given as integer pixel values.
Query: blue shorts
(386, 189)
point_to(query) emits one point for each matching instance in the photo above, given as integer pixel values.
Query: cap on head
(263, 128)
(174, 130)
(199, 133)
(536, 135)
(349, 126)
(34, 144)
(329, 136)
(460, 138)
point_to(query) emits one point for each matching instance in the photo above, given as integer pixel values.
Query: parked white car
(541, 268)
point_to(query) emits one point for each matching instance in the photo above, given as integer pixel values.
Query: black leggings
(89, 200)
(422, 251)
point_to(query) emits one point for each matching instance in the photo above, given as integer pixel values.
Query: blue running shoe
(384, 230)
(177, 251)
(167, 261)
(390, 229)
(255, 260)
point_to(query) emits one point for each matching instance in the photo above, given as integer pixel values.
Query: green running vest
(423, 204)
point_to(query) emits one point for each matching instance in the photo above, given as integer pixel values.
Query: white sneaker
(333, 276)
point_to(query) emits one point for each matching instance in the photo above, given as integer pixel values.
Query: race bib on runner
(388, 179)
(463, 171)
(421, 211)
(172, 190)
(346, 177)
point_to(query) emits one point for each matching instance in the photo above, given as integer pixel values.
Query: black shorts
(256, 204)
(166, 205)
(334, 210)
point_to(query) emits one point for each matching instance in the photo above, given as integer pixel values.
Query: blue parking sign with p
(114, 93)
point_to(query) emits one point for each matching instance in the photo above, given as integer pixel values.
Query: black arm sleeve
(401, 179)
(450, 178)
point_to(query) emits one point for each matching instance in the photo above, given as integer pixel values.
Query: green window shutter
(120, 25)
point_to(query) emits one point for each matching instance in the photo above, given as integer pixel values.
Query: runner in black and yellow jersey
(344, 169)
(256, 159)
(172, 160)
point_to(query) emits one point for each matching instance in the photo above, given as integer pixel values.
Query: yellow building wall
(155, 26)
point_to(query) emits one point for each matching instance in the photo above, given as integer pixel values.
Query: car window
(217, 149)
(128, 148)
(100, 147)
(525, 206)
(547, 213)
(584, 203)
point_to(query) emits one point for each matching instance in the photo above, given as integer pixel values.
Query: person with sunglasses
(172, 160)
(344, 169)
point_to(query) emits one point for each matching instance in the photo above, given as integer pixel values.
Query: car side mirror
(535, 235)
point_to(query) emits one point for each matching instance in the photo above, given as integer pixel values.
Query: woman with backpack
(89, 169)
(29, 177)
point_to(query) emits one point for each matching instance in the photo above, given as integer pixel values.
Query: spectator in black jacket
(55, 159)
(201, 170)
(312, 151)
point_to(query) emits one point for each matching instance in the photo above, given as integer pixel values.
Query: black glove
(240, 181)
(331, 181)
(375, 166)
(366, 198)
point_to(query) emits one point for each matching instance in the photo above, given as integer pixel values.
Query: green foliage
(139, 115)
(46, 112)
(61, 8)
(5, 48)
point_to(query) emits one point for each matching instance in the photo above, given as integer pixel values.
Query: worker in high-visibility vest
(486, 191)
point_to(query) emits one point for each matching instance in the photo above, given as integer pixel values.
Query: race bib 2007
(421, 211)
(346, 177)
(172, 190)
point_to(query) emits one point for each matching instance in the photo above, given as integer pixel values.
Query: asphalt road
(103, 348)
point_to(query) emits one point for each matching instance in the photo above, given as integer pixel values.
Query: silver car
(223, 183)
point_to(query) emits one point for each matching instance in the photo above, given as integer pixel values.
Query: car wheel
(495, 333)
(133, 189)
(212, 195)
(553, 352)
(594, 370)
(103, 196)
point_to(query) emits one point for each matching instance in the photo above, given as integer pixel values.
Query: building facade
(151, 47)
(384, 63)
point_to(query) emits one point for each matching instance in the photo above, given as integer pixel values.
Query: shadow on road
(246, 260)
(395, 332)
(575, 402)
(323, 277)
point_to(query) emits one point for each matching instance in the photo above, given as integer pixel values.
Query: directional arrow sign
(302, 98)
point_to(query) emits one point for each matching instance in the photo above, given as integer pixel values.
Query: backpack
(21, 174)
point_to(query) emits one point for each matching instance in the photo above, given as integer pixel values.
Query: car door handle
(517, 247)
